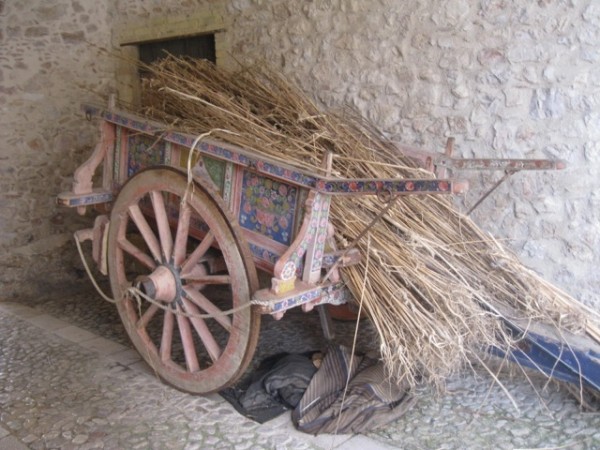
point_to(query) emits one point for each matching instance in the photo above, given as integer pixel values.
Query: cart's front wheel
(176, 244)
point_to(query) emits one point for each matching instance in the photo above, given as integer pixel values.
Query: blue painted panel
(572, 359)
(268, 207)
(144, 151)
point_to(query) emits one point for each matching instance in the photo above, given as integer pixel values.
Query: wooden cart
(191, 220)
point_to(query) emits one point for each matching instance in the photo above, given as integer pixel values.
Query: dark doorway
(202, 46)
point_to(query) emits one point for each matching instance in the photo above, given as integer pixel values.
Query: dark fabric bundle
(276, 387)
(372, 398)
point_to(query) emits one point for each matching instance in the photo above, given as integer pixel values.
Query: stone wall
(507, 79)
(52, 60)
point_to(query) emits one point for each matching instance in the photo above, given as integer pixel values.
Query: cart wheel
(181, 249)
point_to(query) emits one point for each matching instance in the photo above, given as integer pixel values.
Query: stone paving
(69, 380)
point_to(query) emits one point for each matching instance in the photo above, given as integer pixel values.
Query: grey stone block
(48, 322)
(12, 443)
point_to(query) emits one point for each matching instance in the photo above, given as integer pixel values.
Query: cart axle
(163, 284)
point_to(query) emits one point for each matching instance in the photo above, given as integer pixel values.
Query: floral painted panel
(268, 207)
(144, 151)
(262, 253)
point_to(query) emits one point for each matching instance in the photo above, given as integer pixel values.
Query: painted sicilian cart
(191, 220)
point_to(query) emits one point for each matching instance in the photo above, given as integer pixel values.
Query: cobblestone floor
(69, 380)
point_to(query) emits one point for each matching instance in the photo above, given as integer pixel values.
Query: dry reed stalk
(435, 279)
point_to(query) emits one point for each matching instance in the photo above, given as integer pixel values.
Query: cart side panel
(269, 211)
(135, 151)
(266, 207)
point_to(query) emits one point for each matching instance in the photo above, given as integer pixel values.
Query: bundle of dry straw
(434, 280)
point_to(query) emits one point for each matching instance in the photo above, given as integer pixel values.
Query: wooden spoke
(162, 221)
(198, 253)
(166, 340)
(211, 345)
(138, 217)
(183, 226)
(200, 300)
(138, 254)
(187, 339)
(147, 316)
(208, 279)
(193, 354)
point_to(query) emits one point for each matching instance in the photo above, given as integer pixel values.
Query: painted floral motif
(267, 207)
(144, 151)
(289, 270)
(263, 254)
(374, 186)
(292, 175)
(321, 232)
(336, 294)
(297, 300)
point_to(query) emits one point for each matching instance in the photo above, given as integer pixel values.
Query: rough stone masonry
(507, 79)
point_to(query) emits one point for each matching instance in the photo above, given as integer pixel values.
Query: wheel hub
(163, 284)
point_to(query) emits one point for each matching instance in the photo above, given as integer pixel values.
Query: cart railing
(297, 263)
(145, 161)
(83, 194)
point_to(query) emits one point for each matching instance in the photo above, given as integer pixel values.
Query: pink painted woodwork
(182, 251)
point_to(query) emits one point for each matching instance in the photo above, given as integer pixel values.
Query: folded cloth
(277, 386)
(371, 399)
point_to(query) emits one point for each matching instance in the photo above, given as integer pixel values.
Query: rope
(138, 295)
(89, 272)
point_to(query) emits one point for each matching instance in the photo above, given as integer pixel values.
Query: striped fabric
(371, 399)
